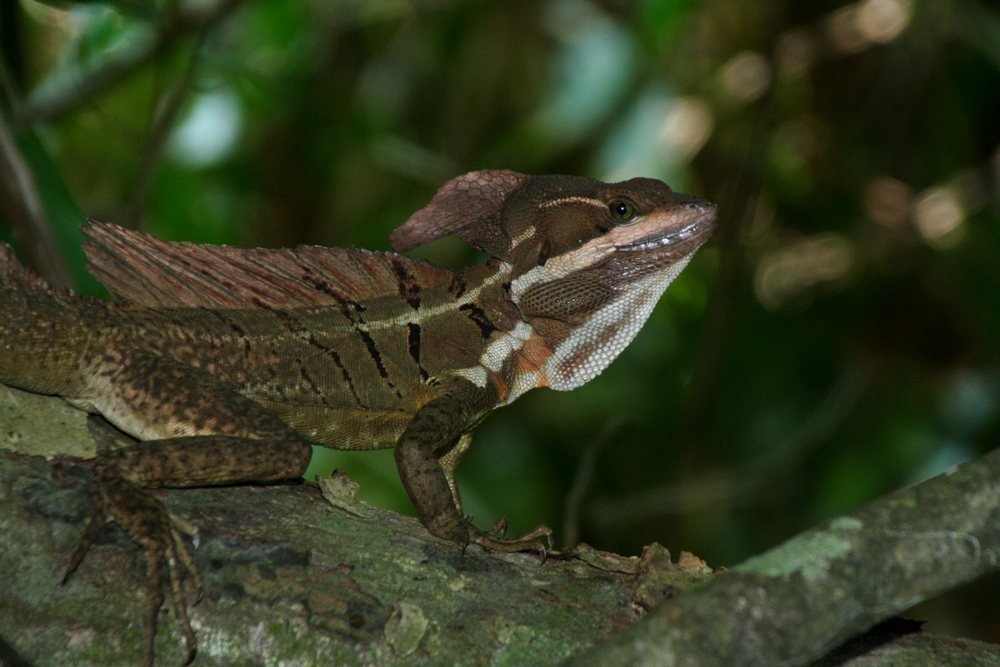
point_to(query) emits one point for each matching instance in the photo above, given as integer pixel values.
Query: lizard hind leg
(147, 522)
(196, 432)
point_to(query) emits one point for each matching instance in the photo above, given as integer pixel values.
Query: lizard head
(588, 260)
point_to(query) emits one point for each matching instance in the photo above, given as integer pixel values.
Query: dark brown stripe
(457, 286)
(479, 318)
(348, 307)
(290, 322)
(321, 285)
(237, 329)
(409, 288)
(373, 352)
(305, 376)
(377, 358)
(339, 364)
(413, 341)
(241, 334)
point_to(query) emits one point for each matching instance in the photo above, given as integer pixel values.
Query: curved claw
(177, 556)
(184, 526)
(94, 526)
(499, 529)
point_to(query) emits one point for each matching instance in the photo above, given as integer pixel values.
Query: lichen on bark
(296, 574)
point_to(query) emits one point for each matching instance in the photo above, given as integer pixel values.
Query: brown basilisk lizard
(229, 362)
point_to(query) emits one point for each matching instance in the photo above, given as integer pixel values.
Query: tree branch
(291, 572)
(23, 210)
(793, 603)
(163, 124)
(62, 93)
(309, 573)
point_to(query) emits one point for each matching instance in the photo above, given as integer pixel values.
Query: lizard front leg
(431, 434)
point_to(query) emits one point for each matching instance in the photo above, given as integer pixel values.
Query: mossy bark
(302, 573)
(306, 574)
(792, 604)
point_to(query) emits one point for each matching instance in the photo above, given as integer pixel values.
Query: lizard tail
(36, 322)
(11, 268)
(17, 283)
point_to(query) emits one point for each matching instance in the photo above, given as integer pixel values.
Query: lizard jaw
(703, 224)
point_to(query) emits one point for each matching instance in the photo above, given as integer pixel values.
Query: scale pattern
(471, 206)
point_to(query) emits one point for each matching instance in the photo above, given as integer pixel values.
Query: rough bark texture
(294, 574)
(919, 650)
(306, 574)
(898, 643)
(799, 600)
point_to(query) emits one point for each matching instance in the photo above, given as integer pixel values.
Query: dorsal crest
(139, 268)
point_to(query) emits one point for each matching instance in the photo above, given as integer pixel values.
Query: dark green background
(828, 345)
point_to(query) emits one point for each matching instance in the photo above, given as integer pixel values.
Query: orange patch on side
(503, 389)
(532, 357)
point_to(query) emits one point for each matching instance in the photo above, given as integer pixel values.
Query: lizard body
(228, 362)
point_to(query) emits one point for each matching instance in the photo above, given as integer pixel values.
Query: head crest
(469, 206)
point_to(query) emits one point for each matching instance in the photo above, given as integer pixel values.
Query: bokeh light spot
(210, 131)
(790, 272)
(938, 216)
(882, 21)
(747, 76)
(855, 27)
(687, 126)
(887, 202)
(795, 53)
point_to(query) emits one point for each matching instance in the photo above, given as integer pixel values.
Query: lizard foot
(160, 535)
(494, 539)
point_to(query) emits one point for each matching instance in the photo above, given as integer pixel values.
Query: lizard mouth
(699, 229)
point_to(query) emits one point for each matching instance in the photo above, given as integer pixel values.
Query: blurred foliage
(837, 339)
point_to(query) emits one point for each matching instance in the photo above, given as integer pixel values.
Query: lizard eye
(621, 210)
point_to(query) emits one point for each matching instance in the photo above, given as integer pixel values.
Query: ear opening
(470, 206)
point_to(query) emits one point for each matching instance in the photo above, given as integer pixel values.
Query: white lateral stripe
(525, 235)
(577, 199)
(498, 350)
(591, 252)
(475, 374)
(424, 313)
